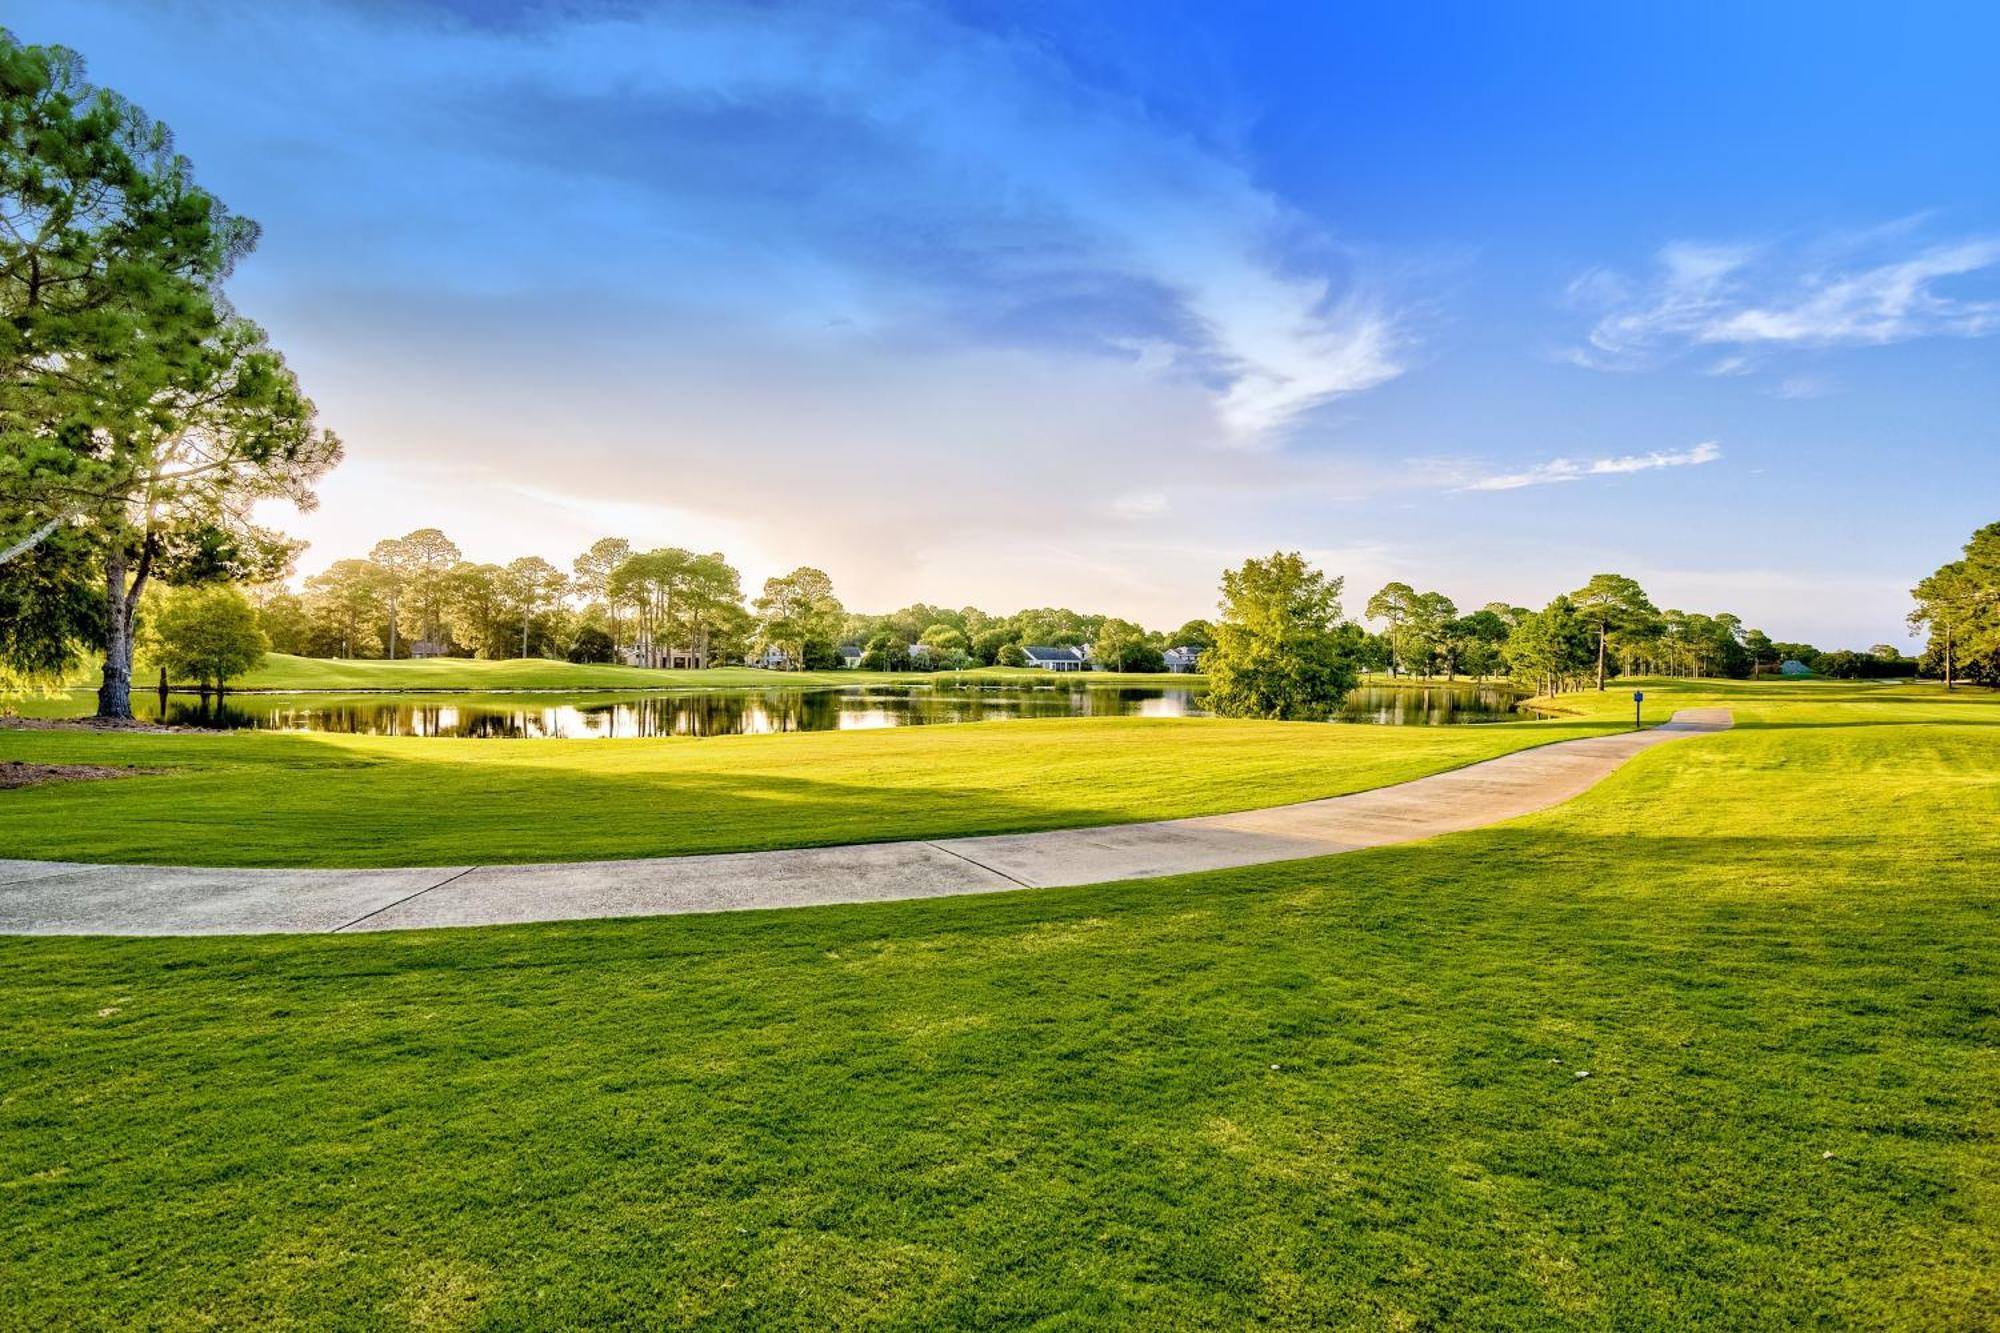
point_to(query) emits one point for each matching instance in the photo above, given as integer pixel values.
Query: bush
(205, 636)
(1011, 655)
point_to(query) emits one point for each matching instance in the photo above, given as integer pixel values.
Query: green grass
(1330, 1093)
(329, 800)
(284, 673)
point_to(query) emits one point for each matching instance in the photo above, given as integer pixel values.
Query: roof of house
(1044, 653)
(849, 650)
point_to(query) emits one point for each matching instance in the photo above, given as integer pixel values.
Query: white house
(1054, 659)
(1182, 660)
(652, 655)
(773, 658)
(850, 655)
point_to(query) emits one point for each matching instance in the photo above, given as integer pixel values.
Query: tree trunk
(392, 625)
(1602, 633)
(114, 696)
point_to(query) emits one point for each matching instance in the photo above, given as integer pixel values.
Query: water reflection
(1431, 705)
(757, 712)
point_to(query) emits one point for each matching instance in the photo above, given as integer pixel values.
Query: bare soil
(83, 724)
(14, 773)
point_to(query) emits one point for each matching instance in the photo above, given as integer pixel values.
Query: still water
(754, 712)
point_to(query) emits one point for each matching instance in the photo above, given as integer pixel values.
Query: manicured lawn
(324, 800)
(1336, 1093)
(283, 672)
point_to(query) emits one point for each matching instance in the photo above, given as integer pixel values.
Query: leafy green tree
(1373, 653)
(1279, 652)
(1392, 606)
(284, 618)
(1427, 631)
(1012, 655)
(1481, 637)
(684, 601)
(591, 575)
(207, 635)
(799, 613)
(1611, 604)
(348, 598)
(1758, 644)
(1056, 626)
(986, 644)
(945, 639)
(592, 644)
(430, 559)
(475, 614)
(1196, 634)
(134, 407)
(51, 609)
(529, 585)
(886, 652)
(1119, 644)
(1551, 647)
(1959, 604)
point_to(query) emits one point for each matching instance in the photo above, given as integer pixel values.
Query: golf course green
(1712, 1044)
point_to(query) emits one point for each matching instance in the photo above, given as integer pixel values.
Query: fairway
(1712, 1044)
(334, 800)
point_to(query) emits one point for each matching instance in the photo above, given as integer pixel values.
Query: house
(1182, 660)
(652, 655)
(921, 653)
(850, 655)
(1793, 667)
(429, 648)
(1054, 659)
(774, 658)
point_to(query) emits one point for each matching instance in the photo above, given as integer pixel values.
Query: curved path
(66, 898)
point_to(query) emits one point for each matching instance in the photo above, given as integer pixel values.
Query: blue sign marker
(1638, 697)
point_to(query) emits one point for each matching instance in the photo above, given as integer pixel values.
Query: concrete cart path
(63, 898)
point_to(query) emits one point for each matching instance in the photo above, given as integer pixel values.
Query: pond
(753, 712)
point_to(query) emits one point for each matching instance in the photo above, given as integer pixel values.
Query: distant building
(1793, 667)
(773, 658)
(850, 655)
(1054, 659)
(673, 659)
(1182, 660)
(429, 648)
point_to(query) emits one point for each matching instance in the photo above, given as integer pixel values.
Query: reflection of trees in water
(1430, 705)
(732, 713)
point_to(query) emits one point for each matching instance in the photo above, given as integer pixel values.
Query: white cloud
(1577, 469)
(1843, 292)
(888, 169)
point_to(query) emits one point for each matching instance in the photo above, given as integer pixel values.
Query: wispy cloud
(1578, 469)
(895, 172)
(1866, 289)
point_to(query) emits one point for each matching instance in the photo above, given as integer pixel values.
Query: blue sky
(1017, 304)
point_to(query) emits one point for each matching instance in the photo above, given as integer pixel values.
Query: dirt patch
(84, 724)
(14, 773)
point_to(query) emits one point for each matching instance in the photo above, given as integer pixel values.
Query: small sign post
(1638, 697)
